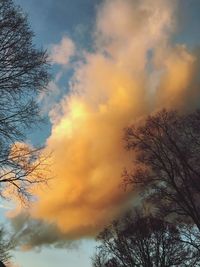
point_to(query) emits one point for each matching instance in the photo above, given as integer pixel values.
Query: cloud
(47, 99)
(11, 264)
(134, 69)
(62, 53)
(177, 87)
(6, 207)
(36, 233)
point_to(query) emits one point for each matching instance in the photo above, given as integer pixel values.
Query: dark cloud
(30, 233)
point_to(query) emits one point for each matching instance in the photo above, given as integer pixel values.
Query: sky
(113, 62)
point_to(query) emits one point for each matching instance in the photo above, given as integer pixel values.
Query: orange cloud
(176, 85)
(113, 87)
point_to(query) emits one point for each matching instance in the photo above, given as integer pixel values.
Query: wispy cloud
(61, 53)
(6, 207)
(48, 98)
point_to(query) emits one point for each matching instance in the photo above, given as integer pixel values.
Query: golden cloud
(135, 69)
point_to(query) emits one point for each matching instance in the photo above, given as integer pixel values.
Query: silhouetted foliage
(135, 240)
(23, 74)
(6, 245)
(167, 169)
(2, 264)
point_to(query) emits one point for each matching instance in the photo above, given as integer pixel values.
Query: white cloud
(62, 52)
(48, 98)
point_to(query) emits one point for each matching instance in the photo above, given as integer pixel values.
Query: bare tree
(167, 169)
(140, 241)
(6, 245)
(22, 168)
(1, 264)
(23, 74)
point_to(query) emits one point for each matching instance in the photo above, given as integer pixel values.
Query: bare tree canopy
(6, 244)
(167, 169)
(139, 241)
(23, 74)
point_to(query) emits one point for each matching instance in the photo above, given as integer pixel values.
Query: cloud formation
(134, 70)
(62, 53)
(11, 264)
(36, 233)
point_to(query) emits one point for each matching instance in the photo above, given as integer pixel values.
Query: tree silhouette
(1, 264)
(23, 74)
(6, 244)
(142, 241)
(167, 169)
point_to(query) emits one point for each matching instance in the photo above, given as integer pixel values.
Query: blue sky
(60, 17)
(52, 20)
